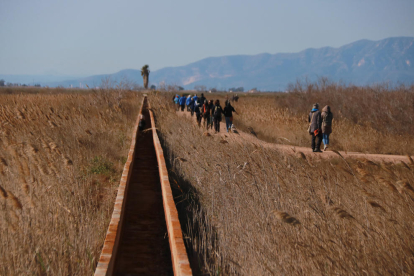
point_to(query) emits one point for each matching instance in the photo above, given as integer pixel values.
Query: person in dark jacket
(197, 106)
(206, 114)
(211, 104)
(327, 118)
(182, 102)
(228, 115)
(315, 123)
(202, 98)
(217, 111)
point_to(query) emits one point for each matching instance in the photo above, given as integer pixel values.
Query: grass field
(251, 210)
(61, 158)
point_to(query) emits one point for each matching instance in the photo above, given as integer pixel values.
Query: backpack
(217, 111)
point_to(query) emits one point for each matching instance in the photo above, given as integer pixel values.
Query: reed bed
(366, 119)
(61, 159)
(250, 210)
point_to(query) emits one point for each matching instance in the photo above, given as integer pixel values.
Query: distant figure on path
(187, 102)
(217, 111)
(315, 123)
(211, 105)
(235, 98)
(202, 98)
(327, 118)
(177, 102)
(228, 115)
(206, 114)
(197, 106)
(182, 102)
(192, 103)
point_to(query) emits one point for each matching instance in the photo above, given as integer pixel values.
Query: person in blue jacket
(182, 102)
(177, 102)
(187, 102)
(192, 103)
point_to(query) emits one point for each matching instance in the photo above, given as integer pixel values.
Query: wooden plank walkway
(144, 236)
(143, 247)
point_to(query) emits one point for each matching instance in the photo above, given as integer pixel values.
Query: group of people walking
(320, 126)
(320, 123)
(210, 112)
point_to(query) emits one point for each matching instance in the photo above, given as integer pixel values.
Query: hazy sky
(88, 37)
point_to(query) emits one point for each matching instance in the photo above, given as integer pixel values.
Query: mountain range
(363, 62)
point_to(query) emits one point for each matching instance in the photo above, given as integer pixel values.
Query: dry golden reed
(15, 202)
(49, 201)
(286, 218)
(347, 223)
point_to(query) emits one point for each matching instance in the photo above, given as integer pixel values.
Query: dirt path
(294, 149)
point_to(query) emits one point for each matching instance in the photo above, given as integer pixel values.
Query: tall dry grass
(372, 120)
(61, 157)
(249, 210)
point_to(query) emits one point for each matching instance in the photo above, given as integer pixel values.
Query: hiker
(206, 114)
(177, 102)
(182, 102)
(217, 111)
(187, 102)
(192, 103)
(315, 123)
(211, 105)
(228, 115)
(195, 97)
(202, 98)
(197, 111)
(327, 118)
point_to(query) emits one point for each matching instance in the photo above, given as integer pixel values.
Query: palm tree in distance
(145, 75)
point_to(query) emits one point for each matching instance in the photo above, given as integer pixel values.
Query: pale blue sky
(89, 37)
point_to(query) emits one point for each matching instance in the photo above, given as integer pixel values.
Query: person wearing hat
(315, 124)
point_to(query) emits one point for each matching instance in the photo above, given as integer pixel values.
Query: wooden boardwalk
(144, 236)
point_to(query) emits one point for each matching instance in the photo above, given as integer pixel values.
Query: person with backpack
(315, 124)
(217, 111)
(197, 111)
(182, 102)
(327, 117)
(228, 115)
(206, 114)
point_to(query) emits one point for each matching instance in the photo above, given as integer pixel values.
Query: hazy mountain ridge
(363, 62)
